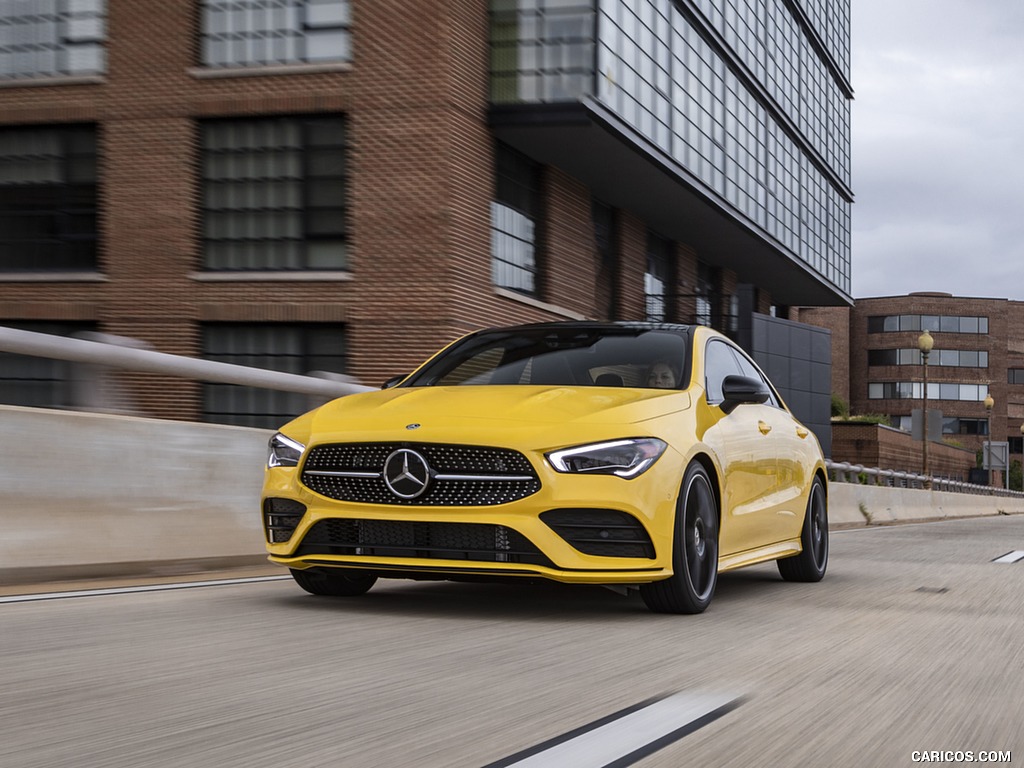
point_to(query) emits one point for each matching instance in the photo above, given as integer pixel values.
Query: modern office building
(978, 352)
(345, 185)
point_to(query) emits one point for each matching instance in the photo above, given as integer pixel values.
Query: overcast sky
(938, 147)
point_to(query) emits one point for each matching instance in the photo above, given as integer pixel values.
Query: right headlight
(623, 458)
(284, 452)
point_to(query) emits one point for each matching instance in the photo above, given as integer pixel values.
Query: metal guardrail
(148, 361)
(845, 472)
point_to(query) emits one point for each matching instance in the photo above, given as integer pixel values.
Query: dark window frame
(309, 176)
(47, 382)
(56, 241)
(278, 407)
(517, 193)
(296, 38)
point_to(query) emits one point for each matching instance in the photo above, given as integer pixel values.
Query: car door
(793, 446)
(745, 446)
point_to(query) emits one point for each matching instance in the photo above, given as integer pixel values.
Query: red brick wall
(872, 445)
(420, 186)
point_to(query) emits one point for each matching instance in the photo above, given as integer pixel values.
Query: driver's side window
(719, 362)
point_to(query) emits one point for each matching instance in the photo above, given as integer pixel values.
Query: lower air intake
(478, 542)
(601, 532)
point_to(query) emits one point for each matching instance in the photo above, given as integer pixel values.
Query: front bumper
(540, 536)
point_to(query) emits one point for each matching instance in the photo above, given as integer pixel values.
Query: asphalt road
(913, 642)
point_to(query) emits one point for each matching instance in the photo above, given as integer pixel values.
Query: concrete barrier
(87, 495)
(856, 505)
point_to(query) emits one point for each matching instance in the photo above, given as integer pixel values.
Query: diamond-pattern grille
(486, 476)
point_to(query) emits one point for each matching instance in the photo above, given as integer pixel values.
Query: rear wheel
(694, 551)
(337, 582)
(811, 563)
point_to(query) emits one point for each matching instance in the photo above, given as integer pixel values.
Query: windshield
(573, 356)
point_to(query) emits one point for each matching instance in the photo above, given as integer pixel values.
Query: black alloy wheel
(695, 550)
(810, 564)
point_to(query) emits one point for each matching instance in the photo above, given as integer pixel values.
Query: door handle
(802, 432)
(764, 426)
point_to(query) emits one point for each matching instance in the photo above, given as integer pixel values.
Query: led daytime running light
(623, 458)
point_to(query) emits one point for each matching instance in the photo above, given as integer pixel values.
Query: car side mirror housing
(737, 390)
(394, 381)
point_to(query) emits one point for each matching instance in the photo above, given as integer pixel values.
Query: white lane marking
(128, 590)
(623, 740)
(1010, 557)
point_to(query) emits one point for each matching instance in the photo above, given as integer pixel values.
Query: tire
(810, 564)
(694, 550)
(336, 582)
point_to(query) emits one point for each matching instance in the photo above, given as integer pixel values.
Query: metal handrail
(148, 361)
(845, 472)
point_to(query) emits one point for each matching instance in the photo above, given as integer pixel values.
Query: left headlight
(624, 458)
(284, 452)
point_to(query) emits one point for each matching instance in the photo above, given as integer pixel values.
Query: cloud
(938, 150)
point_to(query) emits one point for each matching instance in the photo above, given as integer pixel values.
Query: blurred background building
(975, 369)
(344, 185)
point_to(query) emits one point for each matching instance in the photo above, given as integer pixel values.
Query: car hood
(443, 413)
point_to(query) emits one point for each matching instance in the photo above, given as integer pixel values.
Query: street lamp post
(925, 342)
(1022, 441)
(989, 404)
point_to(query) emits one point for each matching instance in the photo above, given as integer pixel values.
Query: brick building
(345, 185)
(978, 351)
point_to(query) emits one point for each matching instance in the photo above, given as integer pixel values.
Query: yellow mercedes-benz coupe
(626, 454)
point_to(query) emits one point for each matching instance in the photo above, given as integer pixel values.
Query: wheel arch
(709, 466)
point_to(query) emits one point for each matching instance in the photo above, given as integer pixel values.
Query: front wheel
(810, 564)
(337, 582)
(694, 551)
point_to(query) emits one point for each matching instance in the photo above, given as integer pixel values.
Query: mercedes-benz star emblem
(406, 473)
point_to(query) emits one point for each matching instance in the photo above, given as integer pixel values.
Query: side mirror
(737, 390)
(394, 381)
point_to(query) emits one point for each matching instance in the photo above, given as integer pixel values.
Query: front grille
(603, 532)
(281, 517)
(461, 475)
(480, 542)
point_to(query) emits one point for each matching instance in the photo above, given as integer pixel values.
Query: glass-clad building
(724, 123)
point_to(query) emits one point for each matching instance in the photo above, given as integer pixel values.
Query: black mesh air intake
(420, 539)
(603, 532)
(280, 518)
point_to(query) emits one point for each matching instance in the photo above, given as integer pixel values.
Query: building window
(657, 278)
(952, 358)
(257, 33)
(542, 51)
(40, 382)
(957, 426)
(709, 297)
(274, 194)
(514, 215)
(1016, 444)
(933, 323)
(48, 199)
(912, 390)
(298, 349)
(54, 38)
(1015, 376)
